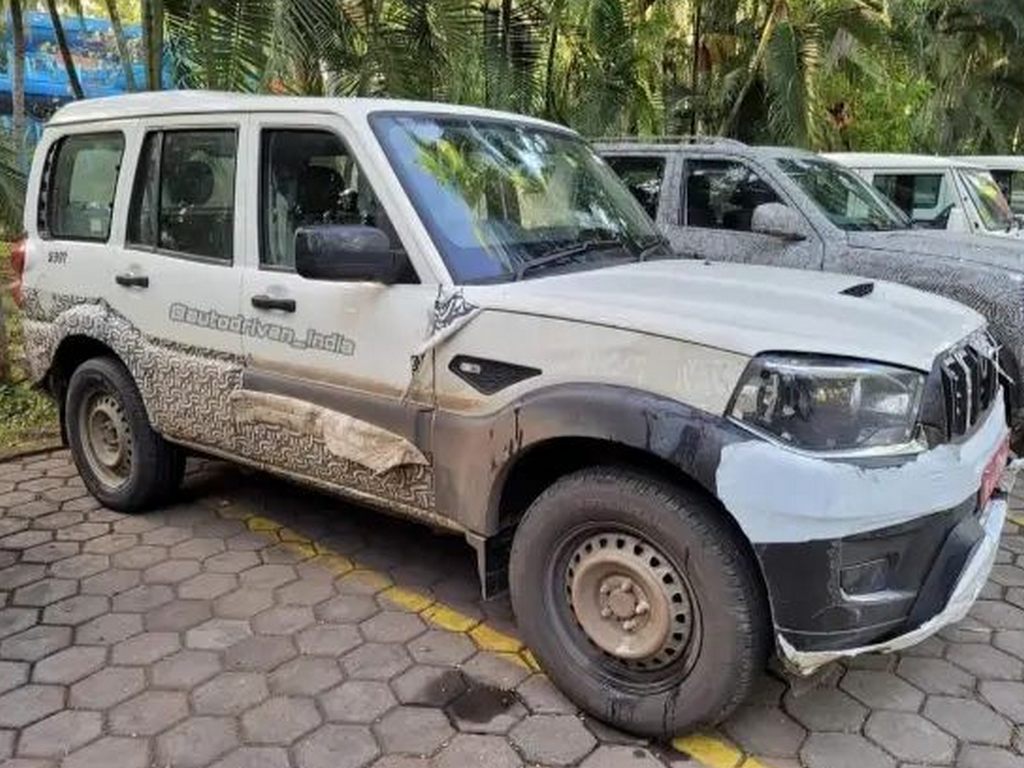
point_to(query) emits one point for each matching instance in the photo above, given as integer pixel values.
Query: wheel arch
(71, 352)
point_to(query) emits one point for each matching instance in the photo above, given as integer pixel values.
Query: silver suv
(723, 200)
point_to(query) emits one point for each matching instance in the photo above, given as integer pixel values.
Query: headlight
(829, 404)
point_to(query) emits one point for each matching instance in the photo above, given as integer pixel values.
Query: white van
(1008, 171)
(938, 192)
(463, 317)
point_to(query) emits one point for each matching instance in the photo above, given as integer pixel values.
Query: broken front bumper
(968, 586)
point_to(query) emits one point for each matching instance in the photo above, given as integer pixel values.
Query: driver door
(718, 200)
(328, 391)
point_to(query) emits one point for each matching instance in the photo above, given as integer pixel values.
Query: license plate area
(993, 473)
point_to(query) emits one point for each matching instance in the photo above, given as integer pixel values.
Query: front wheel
(124, 463)
(638, 601)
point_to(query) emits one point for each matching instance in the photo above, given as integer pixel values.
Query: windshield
(848, 201)
(988, 199)
(1012, 185)
(504, 200)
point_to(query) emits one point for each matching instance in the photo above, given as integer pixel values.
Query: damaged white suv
(463, 317)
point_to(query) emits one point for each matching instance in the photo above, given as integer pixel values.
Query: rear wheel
(638, 601)
(124, 463)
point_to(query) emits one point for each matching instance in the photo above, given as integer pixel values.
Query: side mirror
(779, 221)
(347, 252)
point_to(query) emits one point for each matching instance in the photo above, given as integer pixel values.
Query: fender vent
(859, 290)
(489, 376)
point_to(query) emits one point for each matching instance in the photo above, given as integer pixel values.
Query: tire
(102, 399)
(711, 656)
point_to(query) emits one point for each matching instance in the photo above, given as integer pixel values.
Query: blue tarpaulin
(93, 48)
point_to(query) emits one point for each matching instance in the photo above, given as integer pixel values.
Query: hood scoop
(859, 290)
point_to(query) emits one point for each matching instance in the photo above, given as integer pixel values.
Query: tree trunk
(695, 72)
(755, 64)
(549, 70)
(65, 52)
(153, 42)
(18, 82)
(122, 45)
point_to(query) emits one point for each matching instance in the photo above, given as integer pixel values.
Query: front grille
(970, 381)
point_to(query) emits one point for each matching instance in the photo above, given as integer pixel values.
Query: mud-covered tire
(729, 634)
(102, 401)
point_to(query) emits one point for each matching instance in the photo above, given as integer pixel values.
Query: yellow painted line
(1018, 519)
(708, 749)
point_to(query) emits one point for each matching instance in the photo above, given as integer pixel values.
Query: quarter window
(309, 178)
(79, 196)
(722, 194)
(642, 174)
(184, 196)
(910, 191)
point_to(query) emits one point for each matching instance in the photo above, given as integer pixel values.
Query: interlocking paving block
(968, 720)
(13, 674)
(280, 720)
(881, 690)
(207, 586)
(106, 687)
(14, 620)
(197, 741)
(826, 709)
(619, 757)
(178, 615)
(111, 582)
(109, 629)
(936, 676)
(76, 610)
(70, 665)
(307, 592)
(357, 701)
(144, 598)
(171, 572)
(305, 676)
(259, 653)
(468, 749)
(765, 731)
(346, 609)
(217, 634)
(980, 756)
(541, 697)
(910, 737)
(29, 703)
(392, 627)
(485, 709)
(145, 649)
(553, 739)
(1006, 697)
(35, 643)
(230, 693)
(1011, 641)
(109, 752)
(328, 639)
(282, 620)
(376, 661)
(413, 730)
(337, 746)
(243, 603)
(843, 750)
(60, 734)
(185, 669)
(149, 713)
(254, 757)
(986, 662)
(42, 593)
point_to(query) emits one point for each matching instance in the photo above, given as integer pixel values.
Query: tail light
(18, 266)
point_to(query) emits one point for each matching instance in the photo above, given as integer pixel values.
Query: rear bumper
(966, 588)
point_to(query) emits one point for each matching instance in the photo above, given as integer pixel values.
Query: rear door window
(184, 197)
(723, 194)
(78, 198)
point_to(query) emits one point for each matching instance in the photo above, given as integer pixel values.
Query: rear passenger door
(719, 196)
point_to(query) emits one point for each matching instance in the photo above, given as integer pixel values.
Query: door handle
(263, 301)
(129, 280)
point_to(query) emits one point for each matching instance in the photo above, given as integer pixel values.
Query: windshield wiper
(566, 254)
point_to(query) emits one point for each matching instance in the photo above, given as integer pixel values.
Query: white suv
(463, 317)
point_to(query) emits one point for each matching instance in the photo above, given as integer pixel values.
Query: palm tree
(153, 42)
(65, 51)
(122, 44)
(18, 79)
(799, 41)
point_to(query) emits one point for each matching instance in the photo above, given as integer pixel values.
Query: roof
(664, 144)
(153, 103)
(896, 160)
(996, 162)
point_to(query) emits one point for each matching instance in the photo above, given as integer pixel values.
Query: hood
(1004, 252)
(746, 309)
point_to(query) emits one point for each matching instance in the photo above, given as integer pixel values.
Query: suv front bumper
(967, 587)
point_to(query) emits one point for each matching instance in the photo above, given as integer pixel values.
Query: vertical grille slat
(970, 380)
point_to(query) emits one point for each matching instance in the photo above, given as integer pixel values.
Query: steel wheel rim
(106, 438)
